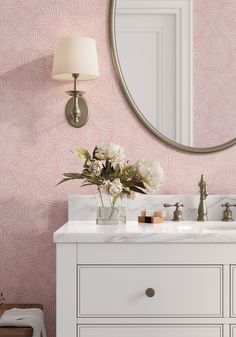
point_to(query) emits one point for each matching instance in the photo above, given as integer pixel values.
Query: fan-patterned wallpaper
(214, 71)
(35, 140)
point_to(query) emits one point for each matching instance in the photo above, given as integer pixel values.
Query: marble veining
(83, 207)
(187, 231)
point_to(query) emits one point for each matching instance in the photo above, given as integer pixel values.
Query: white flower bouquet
(107, 169)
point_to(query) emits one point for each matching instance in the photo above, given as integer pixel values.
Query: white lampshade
(75, 54)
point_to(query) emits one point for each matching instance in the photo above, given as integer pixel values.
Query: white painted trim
(159, 32)
(233, 331)
(66, 288)
(151, 253)
(232, 291)
(154, 320)
(84, 329)
(226, 290)
(182, 9)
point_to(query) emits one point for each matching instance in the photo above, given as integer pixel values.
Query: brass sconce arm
(76, 108)
(75, 111)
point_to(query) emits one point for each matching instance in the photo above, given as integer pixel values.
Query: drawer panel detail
(233, 290)
(151, 331)
(156, 291)
(233, 330)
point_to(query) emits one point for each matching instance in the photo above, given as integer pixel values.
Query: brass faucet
(227, 214)
(177, 215)
(202, 208)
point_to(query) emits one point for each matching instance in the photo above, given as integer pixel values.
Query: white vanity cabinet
(139, 281)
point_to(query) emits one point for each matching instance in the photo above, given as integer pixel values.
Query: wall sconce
(75, 59)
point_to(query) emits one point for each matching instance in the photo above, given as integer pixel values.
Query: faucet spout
(202, 208)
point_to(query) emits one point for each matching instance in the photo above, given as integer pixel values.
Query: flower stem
(112, 207)
(101, 197)
(112, 211)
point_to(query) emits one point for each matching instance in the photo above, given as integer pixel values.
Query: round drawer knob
(150, 292)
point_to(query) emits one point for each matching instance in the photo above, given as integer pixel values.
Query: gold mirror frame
(123, 85)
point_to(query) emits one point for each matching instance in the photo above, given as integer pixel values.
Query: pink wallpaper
(35, 140)
(214, 71)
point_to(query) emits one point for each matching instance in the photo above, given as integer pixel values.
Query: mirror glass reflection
(178, 61)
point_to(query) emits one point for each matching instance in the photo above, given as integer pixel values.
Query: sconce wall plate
(75, 59)
(83, 107)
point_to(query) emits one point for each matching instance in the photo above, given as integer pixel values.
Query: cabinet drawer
(180, 291)
(151, 331)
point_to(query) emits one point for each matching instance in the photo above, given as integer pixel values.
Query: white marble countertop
(168, 231)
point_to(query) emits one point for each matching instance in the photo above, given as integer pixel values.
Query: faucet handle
(227, 214)
(177, 214)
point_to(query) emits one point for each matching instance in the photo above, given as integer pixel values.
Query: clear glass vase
(109, 213)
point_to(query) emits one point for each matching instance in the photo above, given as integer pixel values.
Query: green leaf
(83, 154)
(138, 190)
(94, 152)
(64, 180)
(117, 171)
(140, 184)
(87, 184)
(73, 175)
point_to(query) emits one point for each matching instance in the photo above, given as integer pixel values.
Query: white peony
(113, 187)
(151, 172)
(109, 151)
(96, 167)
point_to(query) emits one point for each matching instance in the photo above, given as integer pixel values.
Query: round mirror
(176, 63)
